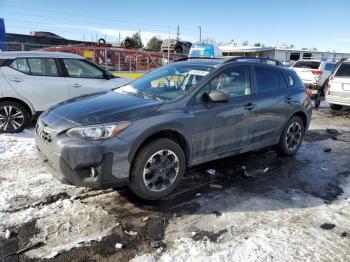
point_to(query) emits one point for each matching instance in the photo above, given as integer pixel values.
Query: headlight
(95, 132)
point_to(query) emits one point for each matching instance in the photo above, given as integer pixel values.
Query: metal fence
(112, 58)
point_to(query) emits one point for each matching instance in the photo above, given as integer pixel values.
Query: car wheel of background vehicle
(292, 137)
(336, 107)
(13, 117)
(157, 169)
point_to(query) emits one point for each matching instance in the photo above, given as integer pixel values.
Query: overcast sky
(308, 23)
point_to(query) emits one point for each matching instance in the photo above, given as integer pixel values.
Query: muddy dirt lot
(255, 207)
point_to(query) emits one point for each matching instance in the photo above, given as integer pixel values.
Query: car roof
(25, 54)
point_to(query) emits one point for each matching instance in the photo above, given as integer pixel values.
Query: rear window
(343, 70)
(307, 64)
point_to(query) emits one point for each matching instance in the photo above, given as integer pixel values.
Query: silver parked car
(338, 89)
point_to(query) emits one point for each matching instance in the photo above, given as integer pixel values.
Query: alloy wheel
(294, 134)
(161, 170)
(11, 118)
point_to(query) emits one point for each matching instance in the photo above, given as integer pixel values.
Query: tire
(336, 107)
(147, 177)
(13, 117)
(289, 144)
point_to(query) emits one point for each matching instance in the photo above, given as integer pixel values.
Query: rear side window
(343, 70)
(292, 79)
(307, 64)
(329, 67)
(21, 65)
(267, 79)
(43, 66)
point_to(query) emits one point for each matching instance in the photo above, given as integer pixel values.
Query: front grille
(45, 132)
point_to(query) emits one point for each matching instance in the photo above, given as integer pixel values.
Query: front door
(223, 127)
(83, 77)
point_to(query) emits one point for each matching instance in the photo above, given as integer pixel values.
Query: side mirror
(219, 96)
(108, 75)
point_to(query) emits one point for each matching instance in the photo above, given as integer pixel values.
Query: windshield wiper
(142, 94)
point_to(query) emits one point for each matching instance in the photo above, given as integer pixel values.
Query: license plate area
(346, 87)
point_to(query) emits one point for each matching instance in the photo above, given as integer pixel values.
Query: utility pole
(169, 45)
(119, 40)
(200, 34)
(178, 33)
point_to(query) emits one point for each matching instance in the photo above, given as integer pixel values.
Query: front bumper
(73, 161)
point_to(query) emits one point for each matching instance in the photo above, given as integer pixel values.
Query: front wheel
(157, 169)
(292, 136)
(13, 117)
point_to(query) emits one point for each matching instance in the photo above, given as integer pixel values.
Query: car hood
(97, 108)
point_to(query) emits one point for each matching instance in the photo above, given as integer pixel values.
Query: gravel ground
(279, 209)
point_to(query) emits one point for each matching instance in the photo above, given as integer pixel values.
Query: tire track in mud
(129, 210)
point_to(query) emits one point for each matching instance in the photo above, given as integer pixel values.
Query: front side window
(168, 82)
(42, 66)
(267, 79)
(81, 69)
(21, 65)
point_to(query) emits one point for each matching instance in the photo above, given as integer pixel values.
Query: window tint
(20, 64)
(294, 56)
(234, 80)
(307, 55)
(343, 70)
(307, 64)
(283, 83)
(329, 67)
(42, 66)
(81, 69)
(267, 79)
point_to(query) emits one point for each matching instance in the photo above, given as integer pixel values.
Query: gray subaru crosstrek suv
(147, 133)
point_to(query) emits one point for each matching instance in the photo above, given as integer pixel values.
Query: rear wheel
(336, 107)
(13, 117)
(292, 136)
(157, 169)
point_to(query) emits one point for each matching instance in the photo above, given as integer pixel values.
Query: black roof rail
(261, 60)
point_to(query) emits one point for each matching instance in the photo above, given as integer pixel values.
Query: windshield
(168, 82)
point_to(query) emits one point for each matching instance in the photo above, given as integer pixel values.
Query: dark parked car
(147, 133)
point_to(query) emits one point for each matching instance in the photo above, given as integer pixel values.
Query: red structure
(118, 59)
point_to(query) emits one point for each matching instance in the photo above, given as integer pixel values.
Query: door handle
(17, 80)
(288, 100)
(249, 106)
(76, 85)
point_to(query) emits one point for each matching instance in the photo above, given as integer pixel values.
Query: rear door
(38, 81)
(273, 103)
(83, 77)
(223, 127)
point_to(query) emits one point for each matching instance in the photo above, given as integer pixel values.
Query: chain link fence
(112, 58)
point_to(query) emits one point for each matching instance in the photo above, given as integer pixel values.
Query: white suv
(314, 73)
(31, 82)
(338, 88)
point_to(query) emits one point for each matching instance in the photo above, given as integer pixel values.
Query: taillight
(330, 79)
(317, 72)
